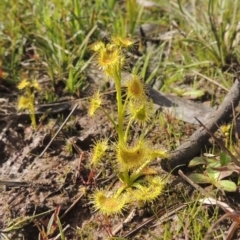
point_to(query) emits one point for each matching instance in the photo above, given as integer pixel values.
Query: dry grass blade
(211, 201)
(212, 81)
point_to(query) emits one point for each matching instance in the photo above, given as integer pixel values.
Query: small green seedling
(216, 170)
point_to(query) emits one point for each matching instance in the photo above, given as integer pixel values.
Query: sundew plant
(139, 183)
(26, 101)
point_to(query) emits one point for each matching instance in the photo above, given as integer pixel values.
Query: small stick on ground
(198, 188)
(127, 220)
(70, 114)
(74, 203)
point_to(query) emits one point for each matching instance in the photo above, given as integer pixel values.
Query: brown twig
(189, 149)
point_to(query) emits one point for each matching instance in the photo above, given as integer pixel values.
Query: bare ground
(33, 187)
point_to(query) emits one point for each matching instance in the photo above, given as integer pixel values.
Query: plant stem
(117, 78)
(109, 118)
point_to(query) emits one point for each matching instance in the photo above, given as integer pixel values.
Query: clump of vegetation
(215, 168)
(27, 100)
(215, 172)
(132, 156)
